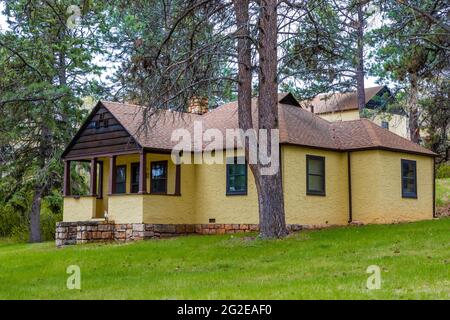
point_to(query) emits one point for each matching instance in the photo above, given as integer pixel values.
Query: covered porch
(120, 184)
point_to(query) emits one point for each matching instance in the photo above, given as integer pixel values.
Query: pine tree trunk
(245, 64)
(272, 222)
(39, 186)
(270, 195)
(413, 110)
(269, 187)
(35, 214)
(61, 56)
(360, 59)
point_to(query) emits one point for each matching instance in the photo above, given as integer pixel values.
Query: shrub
(443, 171)
(14, 222)
(48, 224)
(20, 233)
(51, 212)
(18, 230)
(10, 218)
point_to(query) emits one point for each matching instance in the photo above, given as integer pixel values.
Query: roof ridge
(123, 103)
(345, 92)
(339, 101)
(337, 135)
(156, 109)
(284, 130)
(220, 107)
(354, 120)
(309, 112)
(371, 132)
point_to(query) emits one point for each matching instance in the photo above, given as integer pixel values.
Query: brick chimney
(198, 105)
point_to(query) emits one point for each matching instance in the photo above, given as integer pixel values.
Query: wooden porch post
(112, 174)
(100, 180)
(66, 185)
(93, 186)
(142, 172)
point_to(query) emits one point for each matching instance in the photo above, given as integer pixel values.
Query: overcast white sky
(2, 18)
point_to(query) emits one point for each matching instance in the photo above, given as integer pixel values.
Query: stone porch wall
(68, 233)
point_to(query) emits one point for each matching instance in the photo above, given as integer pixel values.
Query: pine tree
(46, 68)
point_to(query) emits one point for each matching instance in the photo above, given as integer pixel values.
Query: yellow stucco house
(344, 107)
(334, 173)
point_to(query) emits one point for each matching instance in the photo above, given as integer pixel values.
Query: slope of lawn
(323, 264)
(443, 192)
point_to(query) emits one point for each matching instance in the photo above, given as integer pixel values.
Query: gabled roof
(328, 103)
(297, 126)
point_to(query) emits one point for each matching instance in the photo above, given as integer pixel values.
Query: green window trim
(408, 171)
(236, 178)
(318, 176)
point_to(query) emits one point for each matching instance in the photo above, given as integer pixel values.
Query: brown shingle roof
(364, 134)
(327, 103)
(297, 126)
(161, 123)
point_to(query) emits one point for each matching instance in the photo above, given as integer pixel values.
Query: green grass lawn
(442, 192)
(323, 264)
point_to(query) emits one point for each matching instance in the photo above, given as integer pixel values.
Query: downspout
(349, 173)
(280, 164)
(434, 187)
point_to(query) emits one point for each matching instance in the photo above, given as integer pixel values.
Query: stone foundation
(68, 233)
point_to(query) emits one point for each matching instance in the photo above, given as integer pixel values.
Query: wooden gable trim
(87, 138)
(81, 129)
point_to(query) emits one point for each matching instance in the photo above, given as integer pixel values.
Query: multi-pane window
(409, 179)
(158, 177)
(134, 177)
(121, 178)
(101, 122)
(236, 178)
(315, 175)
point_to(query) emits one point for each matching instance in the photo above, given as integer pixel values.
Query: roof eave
(429, 154)
(335, 111)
